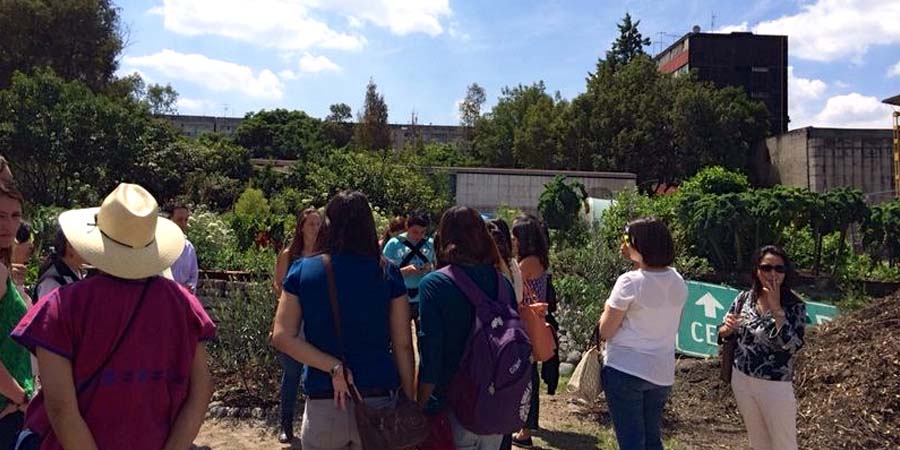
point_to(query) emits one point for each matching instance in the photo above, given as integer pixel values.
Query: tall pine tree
(373, 132)
(628, 45)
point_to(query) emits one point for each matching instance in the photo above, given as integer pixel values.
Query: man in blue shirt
(413, 253)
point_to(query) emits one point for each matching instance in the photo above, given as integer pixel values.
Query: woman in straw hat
(121, 354)
(16, 381)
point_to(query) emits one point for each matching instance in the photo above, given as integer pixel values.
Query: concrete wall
(488, 189)
(826, 158)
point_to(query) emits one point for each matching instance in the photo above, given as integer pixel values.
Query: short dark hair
(349, 226)
(24, 233)
(462, 238)
(790, 275)
(500, 232)
(652, 239)
(418, 218)
(531, 237)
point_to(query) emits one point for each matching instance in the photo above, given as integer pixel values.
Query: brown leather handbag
(728, 344)
(401, 426)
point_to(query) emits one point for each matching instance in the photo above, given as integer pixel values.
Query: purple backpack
(491, 391)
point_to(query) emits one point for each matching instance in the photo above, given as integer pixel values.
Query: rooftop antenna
(712, 22)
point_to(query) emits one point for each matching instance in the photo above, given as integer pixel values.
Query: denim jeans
(636, 407)
(290, 386)
(467, 440)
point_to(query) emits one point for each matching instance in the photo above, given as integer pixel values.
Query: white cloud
(299, 24)
(894, 71)
(743, 26)
(854, 111)
(315, 64)
(803, 98)
(288, 75)
(196, 106)
(455, 32)
(283, 24)
(402, 17)
(222, 76)
(802, 89)
(829, 30)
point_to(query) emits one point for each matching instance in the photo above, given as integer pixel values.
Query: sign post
(705, 310)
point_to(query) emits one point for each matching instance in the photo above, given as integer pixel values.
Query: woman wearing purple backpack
(467, 308)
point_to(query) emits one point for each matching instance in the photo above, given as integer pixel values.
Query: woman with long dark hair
(532, 250)
(16, 381)
(302, 245)
(462, 242)
(768, 322)
(375, 340)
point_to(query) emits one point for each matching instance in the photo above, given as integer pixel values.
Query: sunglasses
(768, 268)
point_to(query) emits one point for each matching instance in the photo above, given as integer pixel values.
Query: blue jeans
(290, 386)
(636, 407)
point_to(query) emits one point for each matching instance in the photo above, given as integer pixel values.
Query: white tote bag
(585, 381)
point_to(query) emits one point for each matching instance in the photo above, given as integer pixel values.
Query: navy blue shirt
(446, 319)
(365, 289)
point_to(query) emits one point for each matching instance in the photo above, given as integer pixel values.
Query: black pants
(10, 425)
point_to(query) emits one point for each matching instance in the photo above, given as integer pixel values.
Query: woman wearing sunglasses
(768, 322)
(639, 323)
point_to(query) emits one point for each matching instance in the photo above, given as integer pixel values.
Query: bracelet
(335, 369)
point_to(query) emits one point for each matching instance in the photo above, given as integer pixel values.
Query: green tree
(628, 45)
(340, 113)
(79, 39)
(522, 130)
(281, 134)
(161, 99)
(373, 131)
(560, 203)
(68, 145)
(337, 127)
(470, 107)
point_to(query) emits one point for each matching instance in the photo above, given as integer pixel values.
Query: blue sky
(234, 56)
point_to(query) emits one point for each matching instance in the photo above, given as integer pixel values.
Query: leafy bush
(213, 239)
(583, 277)
(241, 352)
(716, 180)
(560, 202)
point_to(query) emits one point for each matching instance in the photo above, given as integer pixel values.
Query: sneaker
(522, 443)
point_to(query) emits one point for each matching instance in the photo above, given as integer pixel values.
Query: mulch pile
(847, 385)
(848, 381)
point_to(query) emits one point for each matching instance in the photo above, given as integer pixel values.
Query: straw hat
(125, 237)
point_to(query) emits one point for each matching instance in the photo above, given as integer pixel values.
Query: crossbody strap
(414, 250)
(90, 380)
(336, 318)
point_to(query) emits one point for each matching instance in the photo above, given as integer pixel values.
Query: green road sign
(705, 311)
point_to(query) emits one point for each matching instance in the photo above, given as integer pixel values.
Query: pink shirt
(134, 402)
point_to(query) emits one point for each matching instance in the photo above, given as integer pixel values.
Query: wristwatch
(336, 369)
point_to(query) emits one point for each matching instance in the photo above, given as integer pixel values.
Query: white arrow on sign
(710, 305)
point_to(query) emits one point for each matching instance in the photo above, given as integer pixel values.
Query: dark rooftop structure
(756, 63)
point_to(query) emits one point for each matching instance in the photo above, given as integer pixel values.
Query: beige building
(401, 135)
(821, 159)
(487, 189)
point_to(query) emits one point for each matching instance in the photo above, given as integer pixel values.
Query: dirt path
(565, 426)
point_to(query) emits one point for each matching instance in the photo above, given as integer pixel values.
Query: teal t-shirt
(395, 251)
(15, 358)
(447, 318)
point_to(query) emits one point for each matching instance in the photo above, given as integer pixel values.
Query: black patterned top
(764, 351)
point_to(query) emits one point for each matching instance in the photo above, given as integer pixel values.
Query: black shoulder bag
(728, 344)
